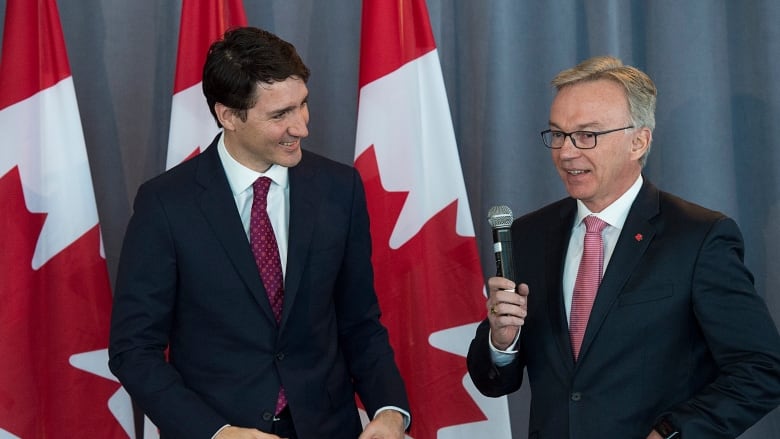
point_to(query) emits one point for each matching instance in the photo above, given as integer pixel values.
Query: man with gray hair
(632, 310)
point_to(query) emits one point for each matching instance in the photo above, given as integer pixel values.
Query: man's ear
(641, 141)
(226, 116)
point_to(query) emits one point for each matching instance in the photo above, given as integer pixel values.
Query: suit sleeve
(741, 337)
(490, 379)
(364, 339)
(141, 320)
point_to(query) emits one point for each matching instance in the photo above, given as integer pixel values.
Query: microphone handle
(502, 247)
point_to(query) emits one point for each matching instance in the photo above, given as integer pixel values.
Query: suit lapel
(632, 243)
(219, 209)
(557, 239)
(305, 193)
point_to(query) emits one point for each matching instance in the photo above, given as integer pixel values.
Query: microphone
(500, 219)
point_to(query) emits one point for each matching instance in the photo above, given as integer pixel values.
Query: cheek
(273, 132)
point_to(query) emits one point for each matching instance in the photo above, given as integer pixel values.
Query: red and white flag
(55, 295)
(192, 125)
(428, 273)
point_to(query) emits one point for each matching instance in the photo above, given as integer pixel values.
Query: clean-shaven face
(600, 175)
(274, 127)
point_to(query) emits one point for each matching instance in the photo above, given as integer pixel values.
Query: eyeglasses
(554, 139)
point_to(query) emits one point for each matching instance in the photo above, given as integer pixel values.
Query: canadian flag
(427, 271)
(55, 295)
(192, 126)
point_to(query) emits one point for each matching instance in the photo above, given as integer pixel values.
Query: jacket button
(267, 416)
(576, 396)
(280, 356)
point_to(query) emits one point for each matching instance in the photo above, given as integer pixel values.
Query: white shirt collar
(616, 213)
(241, 178)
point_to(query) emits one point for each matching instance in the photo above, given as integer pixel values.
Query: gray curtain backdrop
(715, 64)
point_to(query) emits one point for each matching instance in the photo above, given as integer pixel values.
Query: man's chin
(290, 159)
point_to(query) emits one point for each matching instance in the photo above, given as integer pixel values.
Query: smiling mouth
(576, 172)
(288, 144)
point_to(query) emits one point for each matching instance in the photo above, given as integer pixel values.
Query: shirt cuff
(404, 413)
(220, 430)
(503, 357)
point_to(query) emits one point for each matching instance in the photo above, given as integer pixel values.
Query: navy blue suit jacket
(187, 280)
(677, 329)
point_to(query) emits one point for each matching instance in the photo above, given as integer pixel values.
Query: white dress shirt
(240, 178)
(615, 216)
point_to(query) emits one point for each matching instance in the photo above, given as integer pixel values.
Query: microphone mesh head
(500, 217)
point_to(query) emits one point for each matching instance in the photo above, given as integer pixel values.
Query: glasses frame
(595, 135)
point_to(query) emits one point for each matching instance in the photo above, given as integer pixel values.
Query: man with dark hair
(250, 264)
(673, 341)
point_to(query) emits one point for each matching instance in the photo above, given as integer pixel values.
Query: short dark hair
(244, 57)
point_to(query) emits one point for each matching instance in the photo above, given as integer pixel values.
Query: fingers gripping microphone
(500, 219)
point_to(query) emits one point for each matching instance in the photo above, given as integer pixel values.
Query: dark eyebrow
(289, 108)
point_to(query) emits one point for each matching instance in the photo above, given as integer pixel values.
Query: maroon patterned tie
(263, 241)
(588, 280)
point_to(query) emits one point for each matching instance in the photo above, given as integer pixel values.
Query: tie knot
(260, 188)
(594, 224)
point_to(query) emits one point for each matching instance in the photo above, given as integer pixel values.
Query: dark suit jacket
(677, 329)
(187, 279)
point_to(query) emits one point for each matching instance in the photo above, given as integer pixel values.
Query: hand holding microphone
(507, 302)
(500, 219)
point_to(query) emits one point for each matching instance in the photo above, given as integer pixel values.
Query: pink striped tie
(263, 242)
(588, 280)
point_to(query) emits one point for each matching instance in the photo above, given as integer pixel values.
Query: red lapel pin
(638, 237)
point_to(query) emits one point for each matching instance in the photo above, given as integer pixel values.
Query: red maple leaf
(194, 152)
(46, 316)
(431, 283)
